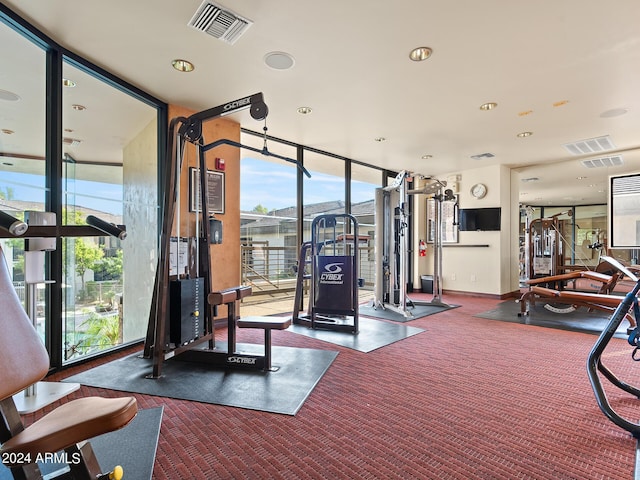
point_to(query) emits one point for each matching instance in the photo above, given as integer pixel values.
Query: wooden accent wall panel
(225, 258)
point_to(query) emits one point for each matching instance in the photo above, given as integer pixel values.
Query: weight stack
(186, 310)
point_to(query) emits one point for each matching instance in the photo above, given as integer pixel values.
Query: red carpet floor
(470, 398)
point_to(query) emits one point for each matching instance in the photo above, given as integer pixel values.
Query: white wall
(481, 262)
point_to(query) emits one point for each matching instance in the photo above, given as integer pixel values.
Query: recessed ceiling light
(615, 112)
(524, 134)
(182, 65)
(488, 106)
(68, 83)
(279, 60)
(304, 110)
(379, 139)
(6, 131)
(9, 96)
(581, 178)
(78, 107)
(426, 157)
(525, 113)
(560, 103)
(419, 54)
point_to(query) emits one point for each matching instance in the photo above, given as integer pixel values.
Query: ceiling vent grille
(74, 142)
(480, 156)
(612, 161)
(219, 22)
(592, 145)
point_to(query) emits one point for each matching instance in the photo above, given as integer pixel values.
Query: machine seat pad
(588, 274)
(244, 291)
(223, 297)
(266, 323)
(595, 298)
(71, 423)
(545, 292)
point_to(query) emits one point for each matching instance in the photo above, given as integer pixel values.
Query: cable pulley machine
(392, 245)
(436, 188)
(188, 321)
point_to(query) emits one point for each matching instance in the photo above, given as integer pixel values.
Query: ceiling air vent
(592, 145)
(612, 161)
(219, 22)
(480, 156)
(74, 142)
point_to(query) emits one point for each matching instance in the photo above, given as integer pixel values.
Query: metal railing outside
(272, 270)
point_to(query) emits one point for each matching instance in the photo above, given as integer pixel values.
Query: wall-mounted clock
(479, 190)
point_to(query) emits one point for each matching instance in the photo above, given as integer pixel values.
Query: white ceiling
(352, 68)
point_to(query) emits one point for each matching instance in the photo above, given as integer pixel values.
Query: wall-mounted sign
(215, 191)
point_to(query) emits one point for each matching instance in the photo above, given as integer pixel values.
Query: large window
(364, 181)
(271, 222)
(75, 141)
(22, 156)
(268, 218)
(22, 123)
(324, 192)
(109, 153)
(624, 205)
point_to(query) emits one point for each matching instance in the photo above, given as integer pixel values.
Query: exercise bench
(229, 297)
(267, 324)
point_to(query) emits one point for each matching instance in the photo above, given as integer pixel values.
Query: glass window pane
(109, 171)
(32, 295)
(564, 250)
(268, 226)
(624, 205)
(22, 156)
(591, 234)
(324, 192)
(22, 124)
(364, 181)
(92, 290)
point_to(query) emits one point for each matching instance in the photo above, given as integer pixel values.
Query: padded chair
(62, 433)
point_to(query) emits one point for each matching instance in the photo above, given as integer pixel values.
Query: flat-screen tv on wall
(479, 219)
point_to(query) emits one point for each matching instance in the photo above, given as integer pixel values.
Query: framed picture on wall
(449, 230)
(215, 191)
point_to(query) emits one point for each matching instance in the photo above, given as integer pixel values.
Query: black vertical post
(300, 197)
(347, 187)
(53, 201)
(409, 233)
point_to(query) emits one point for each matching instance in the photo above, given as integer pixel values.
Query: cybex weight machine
(332, 258)
(184, 307)
(544, 246)
(392, 246)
